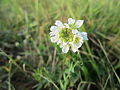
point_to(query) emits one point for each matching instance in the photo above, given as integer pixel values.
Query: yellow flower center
(66, 35)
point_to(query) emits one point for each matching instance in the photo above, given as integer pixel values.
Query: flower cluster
(67, 35)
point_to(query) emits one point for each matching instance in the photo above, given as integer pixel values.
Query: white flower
(77, 42)
(67, 35)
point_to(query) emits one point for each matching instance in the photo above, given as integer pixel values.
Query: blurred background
(29, 61)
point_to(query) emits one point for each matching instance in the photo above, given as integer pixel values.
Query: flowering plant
(67, 35)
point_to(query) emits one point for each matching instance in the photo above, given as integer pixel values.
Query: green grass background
(29, 61)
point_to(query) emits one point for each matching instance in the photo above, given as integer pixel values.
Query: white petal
(71, 21)
(54, 39)
(59, 23)
(79, 23)
(74, 48)
(75, 31)
(66, 25)
(79, 44)
(52, 33)
(65, 49)
(84, 35)
(53, 28)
